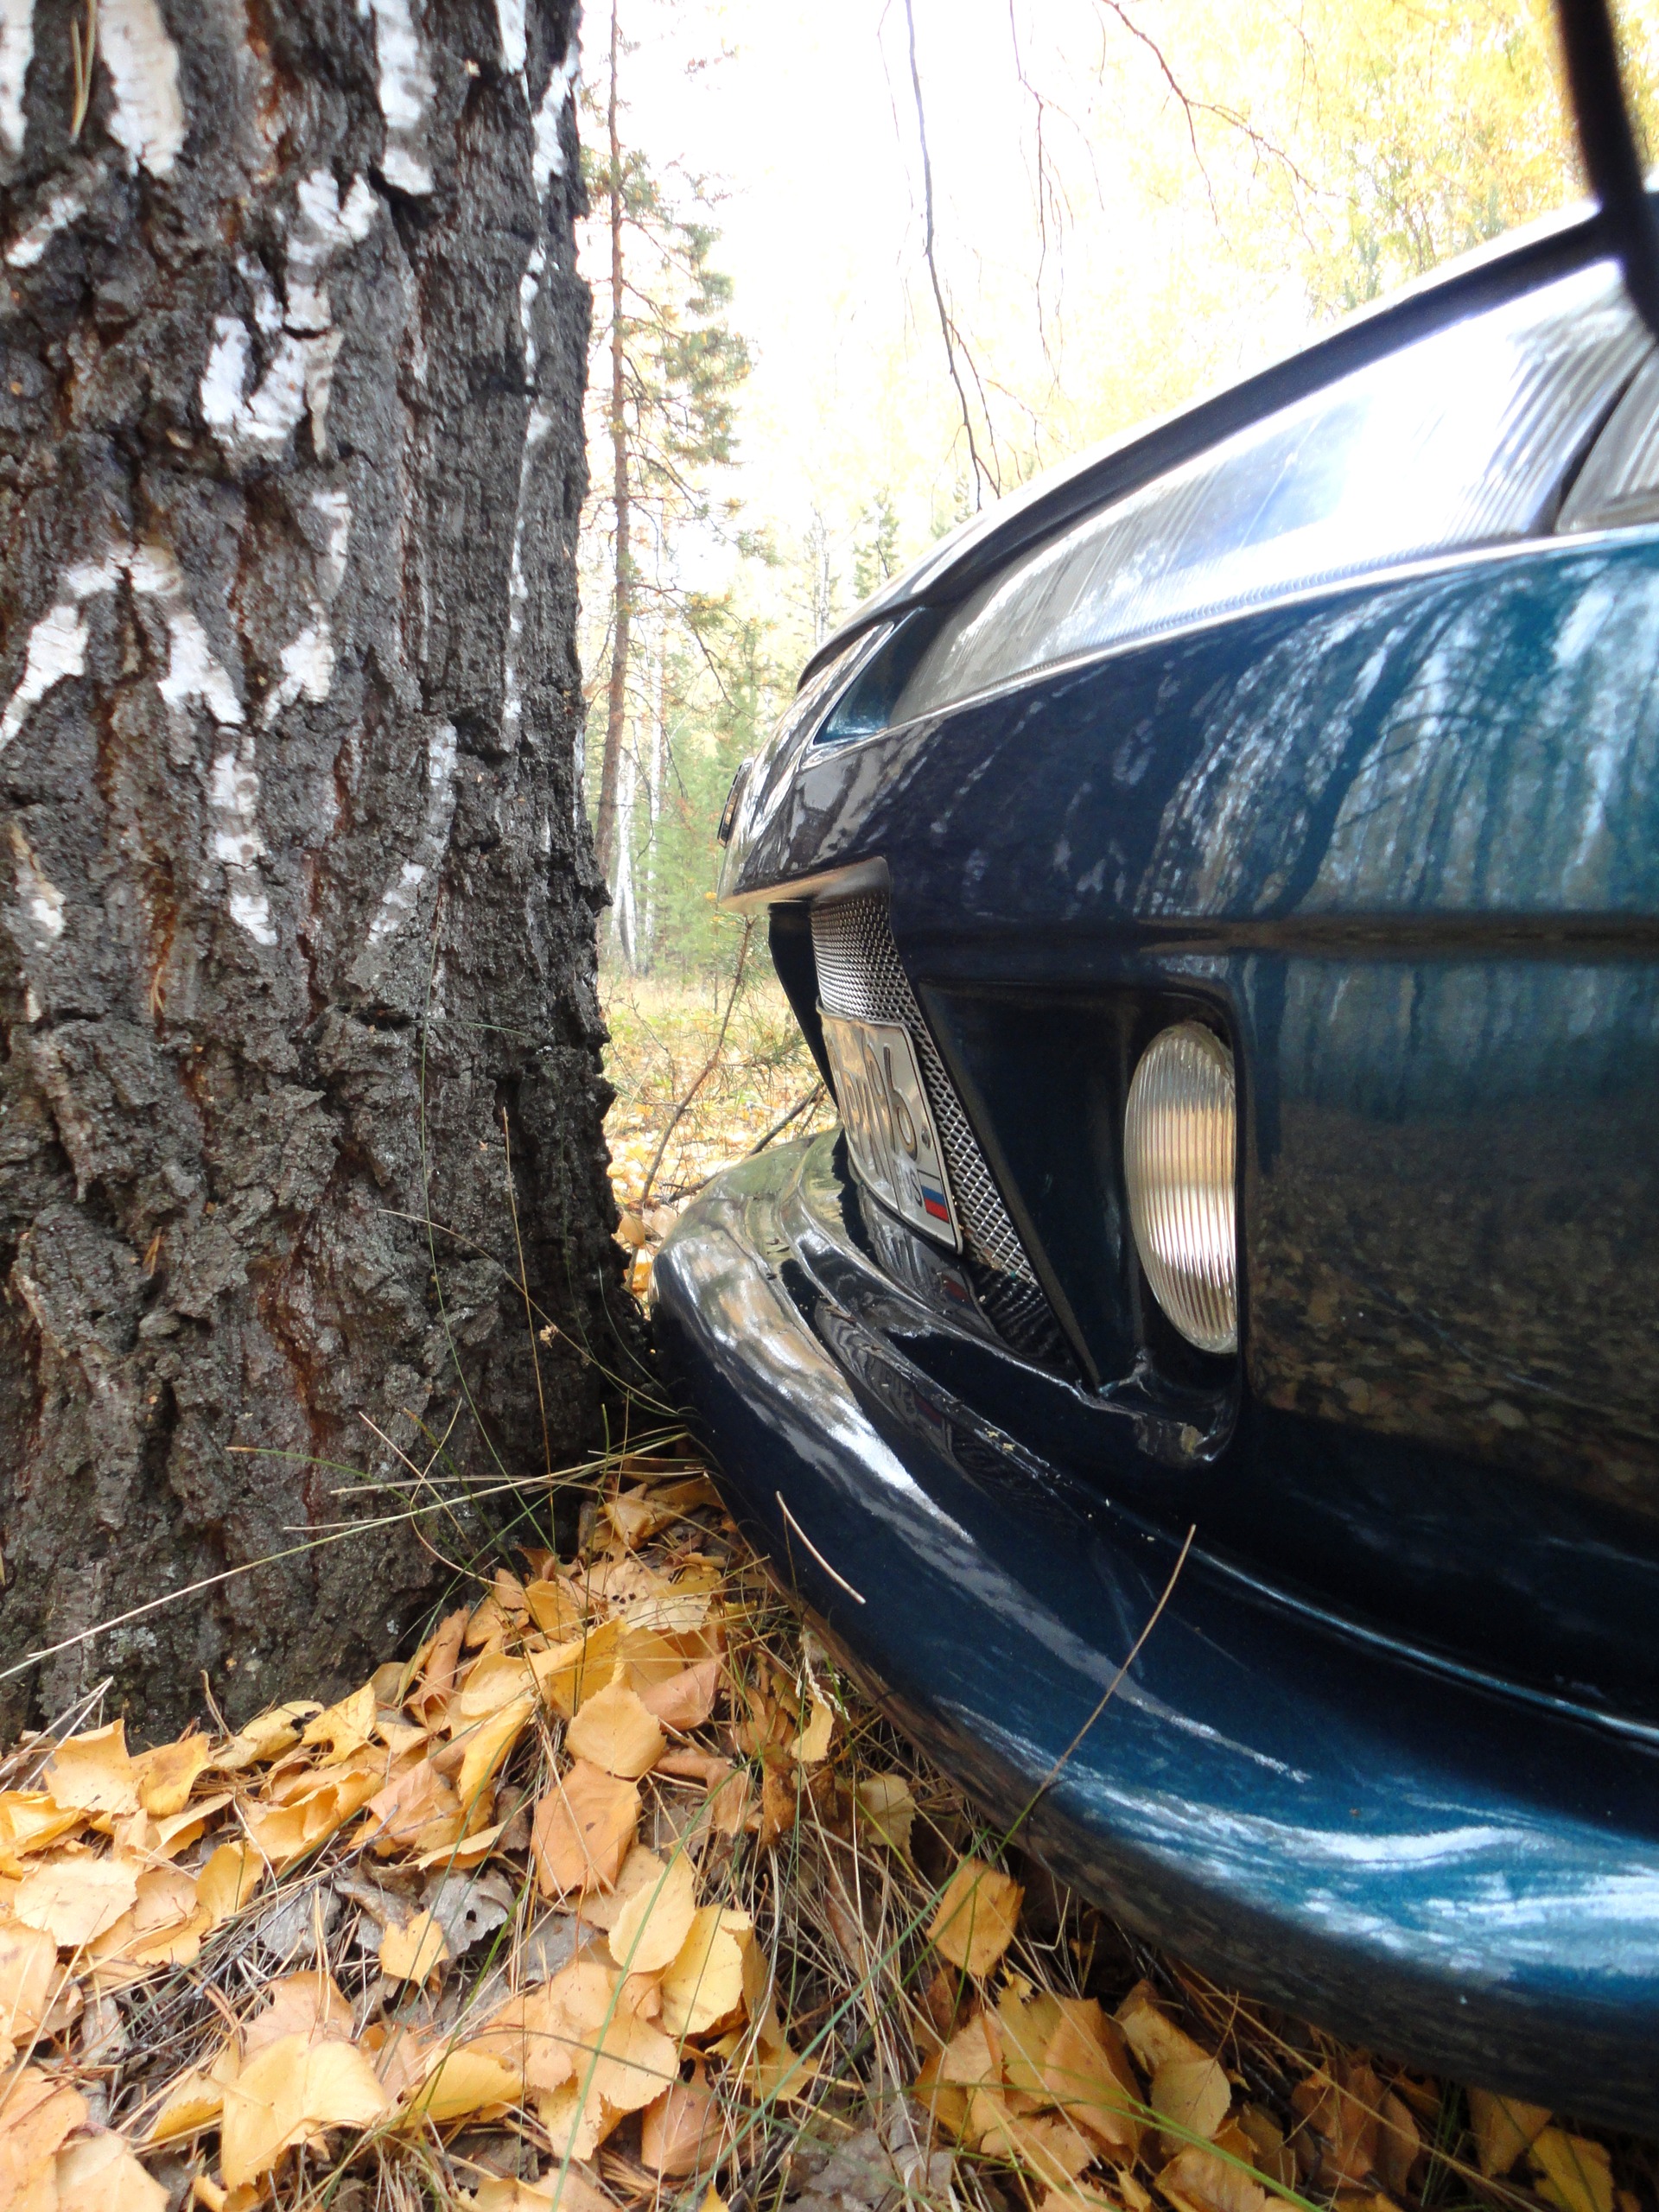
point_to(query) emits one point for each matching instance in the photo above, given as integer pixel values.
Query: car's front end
(1222, 893)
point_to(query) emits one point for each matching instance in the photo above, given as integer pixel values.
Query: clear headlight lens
(1179, 1143)
(1457, 439)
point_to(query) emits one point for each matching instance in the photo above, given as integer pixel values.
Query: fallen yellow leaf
(498, 1679)
(487, 1745)
(685, 1700)
(681, 2130)
(1503, 2128)
(288, 2092)
(555, 1608)
(1150, 2033)
(416, 1808)
(263, 1738)
(166, 1777)
(704, 1984)
(613, 1730)
(571, 1673)
(470, 1850)
(36, 2114)
(1026, 2020)
(76, 1897)
(30, 1821)
(1086, 2071)
(1192, 2095)
(888, 1810)
(461, 2081)
(193, 2101)
(1576, 2174)
(310, 2005)
(575, 2121)
(812, 1744)
(101, 2175)
(1198, 2179)
(28, 1979)
(973, 2058)
(651, 1930)
(163, 1926)
(569, 2188)
(230, 1878)
(414, 1951)
(582, 1828)
(94, 1772)
(977, 1917)
(1050, 2148)
(345, 1727)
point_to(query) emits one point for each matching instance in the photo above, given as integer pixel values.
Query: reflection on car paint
(1259, 1791)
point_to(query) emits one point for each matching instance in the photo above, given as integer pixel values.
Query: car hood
(978, 547)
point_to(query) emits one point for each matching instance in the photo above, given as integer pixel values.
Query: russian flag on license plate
(934, 1202)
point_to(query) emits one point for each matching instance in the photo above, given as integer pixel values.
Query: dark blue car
(1221, 889)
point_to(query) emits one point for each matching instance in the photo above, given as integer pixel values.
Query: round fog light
(1179, 1144)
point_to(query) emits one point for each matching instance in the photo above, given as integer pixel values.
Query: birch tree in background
(665, 368)
(297, 914)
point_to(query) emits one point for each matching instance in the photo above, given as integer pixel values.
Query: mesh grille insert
(858, 976)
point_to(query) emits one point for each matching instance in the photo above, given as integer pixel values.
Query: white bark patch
(192, 671)
(225, 374)
(263, 421)
(233, 795)
(540, 422)
(16, 51)
(405, 89)
(271, 414)
(336, 510)
(148, 118)
(57, 643)
(547, 161)
(322, 226)
(40, 898)
(398, 900)
(58, 213)
(307, 668)
(57, 648)
(509, 23)
(299, 374)
(266, 313)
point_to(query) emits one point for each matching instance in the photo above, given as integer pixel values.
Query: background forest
(857, 271)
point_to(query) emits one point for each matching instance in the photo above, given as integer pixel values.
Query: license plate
(889, 1124)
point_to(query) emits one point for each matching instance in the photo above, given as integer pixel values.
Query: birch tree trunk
(297, 901)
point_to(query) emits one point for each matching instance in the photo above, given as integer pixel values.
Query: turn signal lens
(1179, 1146)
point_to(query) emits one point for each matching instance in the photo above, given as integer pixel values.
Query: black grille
(858, 976)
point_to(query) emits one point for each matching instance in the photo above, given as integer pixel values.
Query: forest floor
(616, 1894)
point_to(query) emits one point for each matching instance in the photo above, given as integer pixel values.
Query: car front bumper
(1407, 1856)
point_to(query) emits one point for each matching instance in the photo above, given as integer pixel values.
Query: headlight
(1179, 1146)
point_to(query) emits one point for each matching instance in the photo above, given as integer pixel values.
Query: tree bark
(617, 704)
(299, 921)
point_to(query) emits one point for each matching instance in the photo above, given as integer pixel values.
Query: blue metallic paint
(1458, 1874)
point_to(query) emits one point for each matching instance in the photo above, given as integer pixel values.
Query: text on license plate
(889, 1123)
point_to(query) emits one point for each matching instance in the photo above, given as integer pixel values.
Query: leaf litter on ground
(525, 1919)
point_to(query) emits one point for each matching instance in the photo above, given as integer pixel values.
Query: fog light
(1179, 1144)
